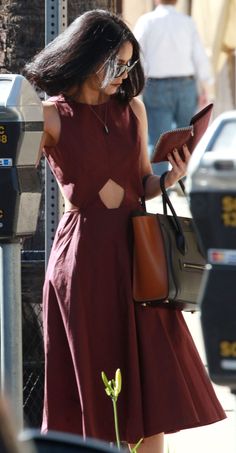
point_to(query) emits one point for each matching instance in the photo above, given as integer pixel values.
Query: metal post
(11, 328)
(55, 23)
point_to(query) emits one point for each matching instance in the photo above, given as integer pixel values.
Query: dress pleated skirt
(92, 324)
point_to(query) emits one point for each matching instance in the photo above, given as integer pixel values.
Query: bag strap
(143, 202)
(181, 184)
(180, 239)
(164, 202)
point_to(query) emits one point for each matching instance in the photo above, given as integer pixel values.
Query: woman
(95, 142)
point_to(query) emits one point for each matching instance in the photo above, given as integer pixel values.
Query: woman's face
(123, 58)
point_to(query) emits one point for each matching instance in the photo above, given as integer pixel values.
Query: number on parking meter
(3, 135)
(228, 206)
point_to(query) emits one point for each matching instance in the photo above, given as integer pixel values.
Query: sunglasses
(122, 68)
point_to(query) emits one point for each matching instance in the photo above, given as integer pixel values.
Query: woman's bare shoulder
(52, 122)
(49, 108)
(138, 108)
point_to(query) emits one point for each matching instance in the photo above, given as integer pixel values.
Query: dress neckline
(85, 104)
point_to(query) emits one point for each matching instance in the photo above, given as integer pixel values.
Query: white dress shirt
(170, 45)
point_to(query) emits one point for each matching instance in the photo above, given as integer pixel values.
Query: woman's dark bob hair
(93, 39)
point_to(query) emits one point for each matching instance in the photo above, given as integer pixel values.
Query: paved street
(219, 437)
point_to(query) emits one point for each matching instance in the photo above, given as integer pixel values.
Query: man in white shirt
(176, 66)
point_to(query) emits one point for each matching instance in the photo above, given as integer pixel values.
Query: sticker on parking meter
(6, 162)
(222, 256)
(228, 364)
(228, 215)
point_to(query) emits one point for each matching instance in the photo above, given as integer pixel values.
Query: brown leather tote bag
(168, 262)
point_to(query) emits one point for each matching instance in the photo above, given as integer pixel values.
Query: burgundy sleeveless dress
(91, 323)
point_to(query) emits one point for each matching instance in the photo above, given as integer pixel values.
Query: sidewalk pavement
(219, 437)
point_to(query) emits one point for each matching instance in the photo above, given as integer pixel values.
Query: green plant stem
(134, 450)
(116, 423)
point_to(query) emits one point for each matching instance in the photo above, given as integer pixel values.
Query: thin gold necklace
(104, 123)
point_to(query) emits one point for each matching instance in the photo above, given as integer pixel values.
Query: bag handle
(164, 197)
(143, 202)
(180, 239)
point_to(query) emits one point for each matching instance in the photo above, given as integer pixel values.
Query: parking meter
(21, 126)
(211, 188)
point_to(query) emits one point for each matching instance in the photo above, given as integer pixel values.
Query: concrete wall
(132, 9)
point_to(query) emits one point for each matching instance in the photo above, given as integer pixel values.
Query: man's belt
(190, 77)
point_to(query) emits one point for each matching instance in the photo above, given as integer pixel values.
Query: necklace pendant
(106, 129)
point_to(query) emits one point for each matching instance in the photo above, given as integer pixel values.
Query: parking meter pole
(11, 328)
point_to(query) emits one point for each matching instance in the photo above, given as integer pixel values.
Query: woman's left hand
(179, 165)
